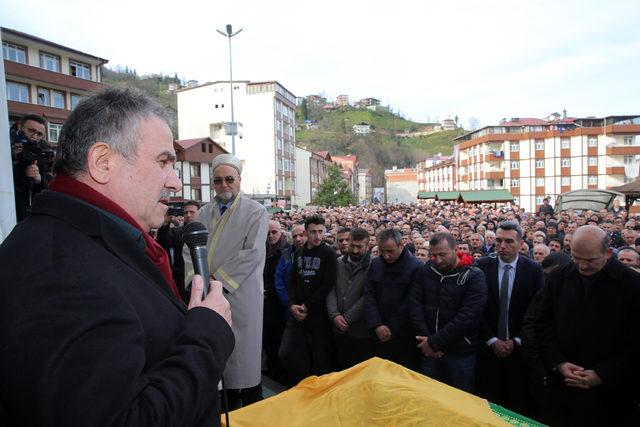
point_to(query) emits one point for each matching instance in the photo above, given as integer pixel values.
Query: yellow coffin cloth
(373, 393)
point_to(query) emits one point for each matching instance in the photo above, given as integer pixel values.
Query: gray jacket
(347, 297)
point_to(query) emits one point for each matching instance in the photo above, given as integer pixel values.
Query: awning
(273, 210)
(486, 196)
(426, 195)
(586, 200)
(447, 195)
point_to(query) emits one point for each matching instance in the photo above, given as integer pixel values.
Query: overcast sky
(427, 59)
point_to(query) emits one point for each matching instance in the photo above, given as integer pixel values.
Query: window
(538, 200)
(195, 169)
(196, 194)
(539, 163)
(592, 180)
(515, 146)
(515, 182)
(539, 182)
(515, 164)
(516, 200)
(565, 180)
(57, 99)
(75, 100)
(13, 52)
(80, 70)
(54, 131)
(203, 147)
(17, 92)
(49, 62)
(565, 162)
(592, 161)
(539, 144)
(565, 143)
(44, 97)
(592, 141)
(628, 140)
(628, 160)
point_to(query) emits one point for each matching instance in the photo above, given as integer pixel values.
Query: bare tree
(474, 123)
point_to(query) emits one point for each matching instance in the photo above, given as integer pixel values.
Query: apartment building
(265, 144)
(536, 158)
(401, 185)
(365, 186)
(437, 175)
(350, 167)
(46, 78)
(193, 165)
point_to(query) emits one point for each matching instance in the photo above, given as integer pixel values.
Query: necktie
(223, 209)
(503, 320)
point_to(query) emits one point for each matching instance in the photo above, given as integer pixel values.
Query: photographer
(30, 155)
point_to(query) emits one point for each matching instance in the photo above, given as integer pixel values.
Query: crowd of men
(538, 312)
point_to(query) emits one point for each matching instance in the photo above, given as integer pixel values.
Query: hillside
(379, 150)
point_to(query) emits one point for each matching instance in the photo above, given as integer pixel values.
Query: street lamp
(232, 128)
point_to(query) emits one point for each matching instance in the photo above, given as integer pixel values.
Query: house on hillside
(342, 100)
(362, 128)
(193, 166)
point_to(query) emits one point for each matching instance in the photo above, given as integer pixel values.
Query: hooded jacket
(447, 307)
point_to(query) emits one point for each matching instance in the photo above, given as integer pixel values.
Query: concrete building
(401, 185)
(362, 129)
(303, 178)
(265, 113)
(46, 78)
(193, 166)
(342, 100)
(535, 158)
(437, 175)
(349, 166)
(365, 186)
(449, 124)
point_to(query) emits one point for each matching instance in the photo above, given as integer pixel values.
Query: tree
(334, 191)
(474, 123)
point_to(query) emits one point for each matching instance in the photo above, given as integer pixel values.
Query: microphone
(195, 235)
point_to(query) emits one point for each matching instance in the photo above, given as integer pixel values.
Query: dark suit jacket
(90, 333)
(528, 280)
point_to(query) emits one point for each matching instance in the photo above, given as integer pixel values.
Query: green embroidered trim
(513, 418)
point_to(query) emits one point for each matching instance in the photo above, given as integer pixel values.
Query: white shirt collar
(513, 263)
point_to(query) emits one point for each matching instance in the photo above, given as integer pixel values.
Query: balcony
(23, 71)
(622, 150)
(493, 156)
(494, 174)
(615, 170)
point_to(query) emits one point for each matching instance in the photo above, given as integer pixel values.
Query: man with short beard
(237, 228)
(345, 306)
(343, 241)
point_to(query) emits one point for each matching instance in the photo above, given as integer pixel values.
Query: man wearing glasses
(29, 154)
(236, 253)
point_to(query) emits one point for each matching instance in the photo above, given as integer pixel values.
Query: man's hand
(577, 376)
(383, 333)
(502, 348)
(426, 348)
(34, 172)
(15, 150)
(214, 299)
(299, 312)
(341, 323)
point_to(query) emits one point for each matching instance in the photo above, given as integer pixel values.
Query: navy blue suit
(503, 380)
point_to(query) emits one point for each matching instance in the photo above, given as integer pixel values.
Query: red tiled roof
(185, 144)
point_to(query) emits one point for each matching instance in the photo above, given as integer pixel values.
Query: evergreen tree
(334, 191)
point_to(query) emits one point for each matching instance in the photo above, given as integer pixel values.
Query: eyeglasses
(227, 179)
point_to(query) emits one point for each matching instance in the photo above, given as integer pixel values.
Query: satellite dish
(631, 170)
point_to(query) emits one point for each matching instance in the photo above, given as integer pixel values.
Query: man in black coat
(512, 282)
(92, 328)
(589, 318)
(386, 300)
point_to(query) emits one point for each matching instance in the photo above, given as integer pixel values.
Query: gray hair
(390, 234)
(113, 116)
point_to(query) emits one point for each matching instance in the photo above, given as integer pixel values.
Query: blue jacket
(283, 272)
(386, 293)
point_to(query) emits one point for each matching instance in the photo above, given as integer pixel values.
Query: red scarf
(67, 185)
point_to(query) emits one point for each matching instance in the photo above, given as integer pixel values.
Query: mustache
(165, 194)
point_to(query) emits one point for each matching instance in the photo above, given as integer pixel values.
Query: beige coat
(236, 254)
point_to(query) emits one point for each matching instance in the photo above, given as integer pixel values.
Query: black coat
(90, 332)
(595, 326)
(528, 280)
(447, 308)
